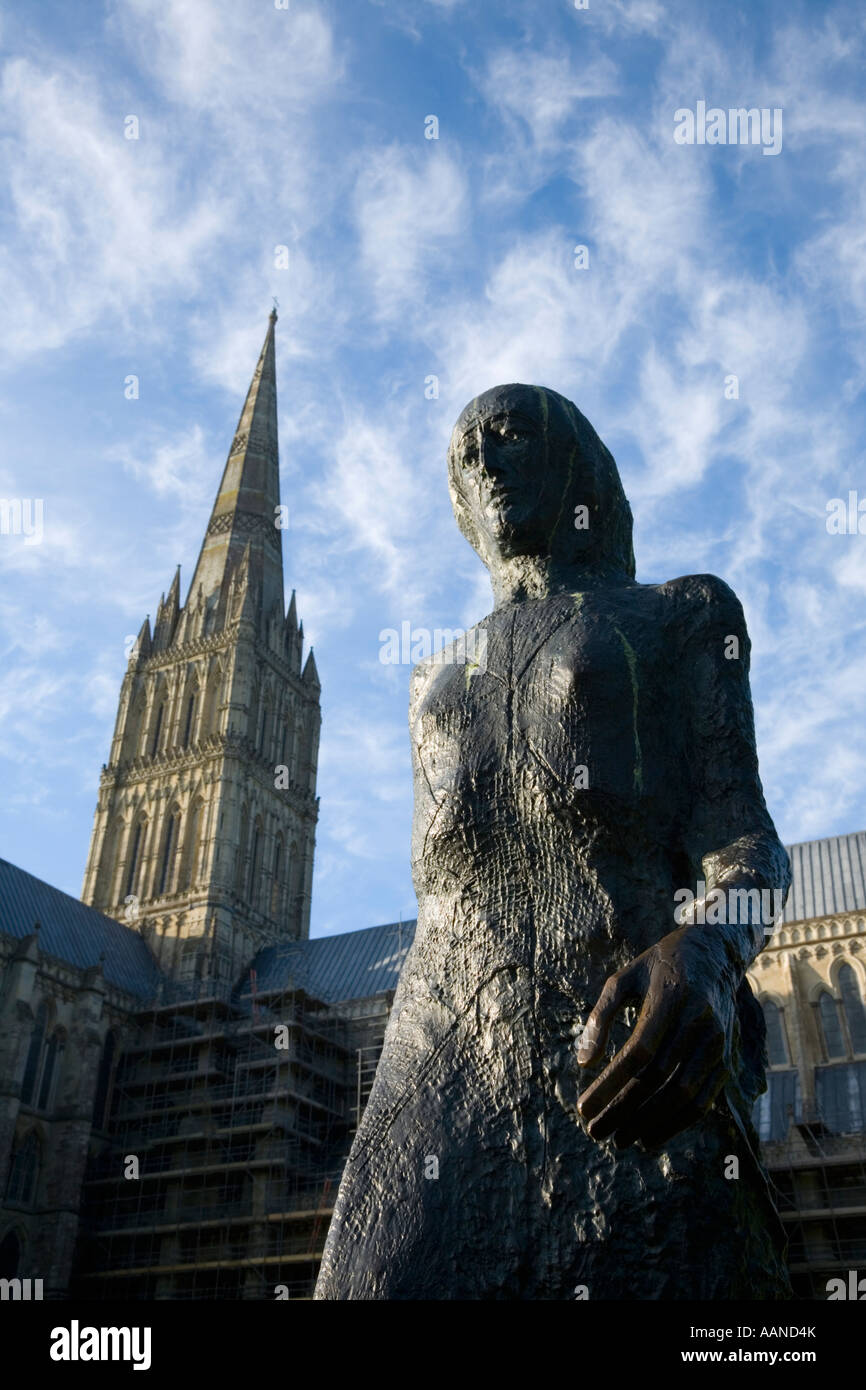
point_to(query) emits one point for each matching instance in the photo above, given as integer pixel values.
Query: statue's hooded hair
(572, 449)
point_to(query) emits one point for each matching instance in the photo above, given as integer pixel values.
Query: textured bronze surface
(600, 758)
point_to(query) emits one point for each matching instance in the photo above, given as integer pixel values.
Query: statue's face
(511, 481)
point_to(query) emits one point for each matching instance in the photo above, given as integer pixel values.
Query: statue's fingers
(680, 1103)
(636, 1054)
(619, 989)
(637, 1092)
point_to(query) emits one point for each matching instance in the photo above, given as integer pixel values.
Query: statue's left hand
(676, 1061)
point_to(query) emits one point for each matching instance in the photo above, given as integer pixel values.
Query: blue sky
(411, 257)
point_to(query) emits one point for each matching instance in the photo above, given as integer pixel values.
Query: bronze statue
(600, 759)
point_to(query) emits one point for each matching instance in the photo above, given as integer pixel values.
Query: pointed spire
(311, 675)
(292, 615)
(143, 643)
(245, 510)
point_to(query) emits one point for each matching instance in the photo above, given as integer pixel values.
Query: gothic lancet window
(34, 1054)
(191, 849)
(852, 1006)
(777, 1050)
(276, 882)
(51, 1069)
(135, 855)
(157, 730)
(24, 1171)
(832, 1028)
(103, 1081)
(255, 864)
(166, 875)
(189, 722)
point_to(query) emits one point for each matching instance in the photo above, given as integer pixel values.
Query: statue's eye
(511, 435)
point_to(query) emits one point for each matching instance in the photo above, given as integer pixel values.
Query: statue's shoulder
(697, 596)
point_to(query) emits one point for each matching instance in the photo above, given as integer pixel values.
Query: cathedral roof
(350, 965)
(73, 932)
(829, 876)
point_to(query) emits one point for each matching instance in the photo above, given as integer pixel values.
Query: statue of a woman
(562, 1107)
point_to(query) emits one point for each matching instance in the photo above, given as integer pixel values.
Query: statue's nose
(489, 456)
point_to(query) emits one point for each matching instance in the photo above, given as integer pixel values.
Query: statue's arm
(680, 1054)
(730, 841)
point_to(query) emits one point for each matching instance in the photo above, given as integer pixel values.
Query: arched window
(135, 855)
(189, 722)
(135, 732)
(191, 847)
(24, 1171)
(852, 1006)
(833, 1040)
(166, 868)
(265, 733)
(51, 1069)
(255, 863)
(157, 729)
(777, 1050)
(103, 1081)
(253, 725)
(243, 842)
(34, 1054)
(276, 882)
(210, 714)
(290, 878)
(10, 1255)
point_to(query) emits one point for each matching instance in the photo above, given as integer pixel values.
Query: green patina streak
(632, 671)
(578, 602)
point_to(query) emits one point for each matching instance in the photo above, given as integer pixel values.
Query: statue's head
(521, 460)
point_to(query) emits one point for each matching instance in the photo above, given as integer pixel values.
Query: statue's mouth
(502, 492)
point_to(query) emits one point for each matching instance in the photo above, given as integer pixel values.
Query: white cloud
(409, 206)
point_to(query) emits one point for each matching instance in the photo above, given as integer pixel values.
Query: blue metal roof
(351, 965)
(73, 932)
(829, 876)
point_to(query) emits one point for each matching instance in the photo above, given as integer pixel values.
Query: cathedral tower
(205, 821)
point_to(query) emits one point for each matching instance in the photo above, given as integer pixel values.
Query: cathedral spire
(192, 822)
(246, 507)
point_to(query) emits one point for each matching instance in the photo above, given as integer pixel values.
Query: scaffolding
(231, 1116)
(819, 1179)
